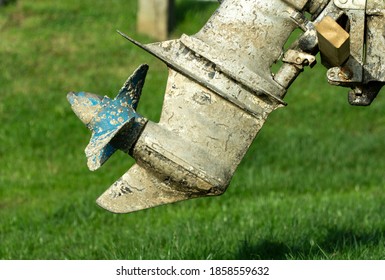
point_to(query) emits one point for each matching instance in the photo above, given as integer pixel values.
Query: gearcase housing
(219, 93)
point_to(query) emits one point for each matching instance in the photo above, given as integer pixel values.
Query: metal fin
(138, 189)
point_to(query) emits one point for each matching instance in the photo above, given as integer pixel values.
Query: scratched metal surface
(212, 109)
(219, 93)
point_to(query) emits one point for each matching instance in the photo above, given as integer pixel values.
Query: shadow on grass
(264, 250)
(6, 2)
(337, 244)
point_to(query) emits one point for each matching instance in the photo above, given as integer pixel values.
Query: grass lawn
(310, 187)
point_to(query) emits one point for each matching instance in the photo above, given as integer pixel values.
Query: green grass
(310, 187)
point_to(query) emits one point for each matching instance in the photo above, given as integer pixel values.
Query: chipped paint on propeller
(109, 119)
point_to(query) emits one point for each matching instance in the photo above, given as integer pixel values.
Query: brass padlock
(333, 42)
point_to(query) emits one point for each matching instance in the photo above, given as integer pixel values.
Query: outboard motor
(221, 89)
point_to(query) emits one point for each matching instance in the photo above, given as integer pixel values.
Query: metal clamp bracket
(299, 58)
